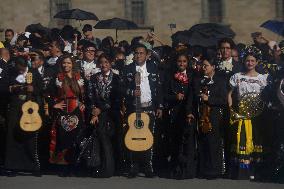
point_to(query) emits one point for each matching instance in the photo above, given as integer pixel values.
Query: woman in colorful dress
(246, 87)
(68, 108)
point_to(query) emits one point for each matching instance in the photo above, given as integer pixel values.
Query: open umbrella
(37, 28)
(213, 30)
(76, 14)
(274, 26)
(117, 24)
(193, 38)
(206, 35)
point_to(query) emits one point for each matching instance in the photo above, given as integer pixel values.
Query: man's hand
(30, 88)
(159, 113)
(137, 93)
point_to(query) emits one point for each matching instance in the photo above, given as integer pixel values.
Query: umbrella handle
(116, 34)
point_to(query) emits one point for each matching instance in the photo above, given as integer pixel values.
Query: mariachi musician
(210, 98)
(181, 133)
(105, 97)
(151, 103)
(67, 114)
(22, 146)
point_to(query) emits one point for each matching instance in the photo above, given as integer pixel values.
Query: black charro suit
(180, 133)
(128, 82)
(105, 93)
(154, 82)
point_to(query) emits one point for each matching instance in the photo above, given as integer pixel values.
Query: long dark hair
(67, 81)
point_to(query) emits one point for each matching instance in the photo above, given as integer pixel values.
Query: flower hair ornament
(253, 51)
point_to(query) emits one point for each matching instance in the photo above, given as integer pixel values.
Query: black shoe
(134, 169)
(10, 173)
(37, 174)
(149, 172)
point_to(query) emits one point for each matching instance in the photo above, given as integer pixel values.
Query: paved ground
(55, 182)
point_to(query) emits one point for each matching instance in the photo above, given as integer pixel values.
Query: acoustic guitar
(30, 120)
(138, 137)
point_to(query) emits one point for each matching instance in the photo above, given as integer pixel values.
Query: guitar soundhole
(30, 111)
(139, 124)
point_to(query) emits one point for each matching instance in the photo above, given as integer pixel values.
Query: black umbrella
(76, 14)
(213, 30)
(205, 35)
(274, 26)
(37, 28)
(117, 24)
(181, 37)
(193, 38)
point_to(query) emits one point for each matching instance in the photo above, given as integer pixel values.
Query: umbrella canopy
(205, 35)
(274, 26)
(181, 37)
(37, 28)
(193, 38)
(76, 14)
(213, 30)
(116, 23)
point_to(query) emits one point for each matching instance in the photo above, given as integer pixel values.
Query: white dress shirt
(144, 86)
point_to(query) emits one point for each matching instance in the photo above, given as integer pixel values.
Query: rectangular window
(215, 11)
(279, 9)
(57, 6)
(135, 10)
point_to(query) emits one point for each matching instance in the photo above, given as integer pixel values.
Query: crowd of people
(215, 112)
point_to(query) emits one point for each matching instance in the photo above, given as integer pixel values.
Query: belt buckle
(22, 97)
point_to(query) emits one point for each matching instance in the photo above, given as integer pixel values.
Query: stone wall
(244, 16)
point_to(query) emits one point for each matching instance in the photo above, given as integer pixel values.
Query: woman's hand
(204, 97)
(180, 96)
(159, 113)
(94, 120)
(190, 118)
(82, 107)
(96, 111)
(60, 105)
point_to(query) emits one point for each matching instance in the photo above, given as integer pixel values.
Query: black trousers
(145, 158)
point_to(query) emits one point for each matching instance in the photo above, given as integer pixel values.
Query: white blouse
(247, 84)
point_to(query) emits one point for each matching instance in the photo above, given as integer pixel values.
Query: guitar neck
(138, 105)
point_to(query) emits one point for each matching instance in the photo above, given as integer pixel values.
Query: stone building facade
(243, 16)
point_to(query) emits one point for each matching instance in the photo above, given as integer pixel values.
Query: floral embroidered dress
(67, 122)
(248, 133)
